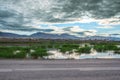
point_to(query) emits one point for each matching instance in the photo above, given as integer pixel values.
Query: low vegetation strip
(41, 50)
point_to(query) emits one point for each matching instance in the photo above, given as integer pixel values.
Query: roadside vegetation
(106, 47)
(22, 52)
(39, 50)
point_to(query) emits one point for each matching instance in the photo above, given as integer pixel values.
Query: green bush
(65, 49)
(39, 52)
(9, 52)
(84, 50)
(68, 48)
(6, 52)
(103, 48)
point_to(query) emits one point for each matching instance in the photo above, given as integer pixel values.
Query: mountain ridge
(56, 36)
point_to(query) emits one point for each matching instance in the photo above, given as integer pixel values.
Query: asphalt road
(60, 69)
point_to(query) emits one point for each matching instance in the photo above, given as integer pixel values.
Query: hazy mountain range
(56, 36)
(38, 35)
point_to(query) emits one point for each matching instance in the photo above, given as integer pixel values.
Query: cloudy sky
(75, 17)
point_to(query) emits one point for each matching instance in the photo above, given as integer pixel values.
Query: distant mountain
(52, 36)
(38, 35)
(11, 35)
(57, 36)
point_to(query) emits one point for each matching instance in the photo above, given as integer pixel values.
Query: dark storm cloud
(10, 18)
(5, 14)
(97, 8)
(14, 14)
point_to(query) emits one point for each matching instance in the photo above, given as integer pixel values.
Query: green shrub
(68, 48)
(84, 50)
(10, 52)
(103, 47)
(39, 52)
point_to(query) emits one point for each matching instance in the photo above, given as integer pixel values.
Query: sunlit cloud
(76, 29)
(104, 27)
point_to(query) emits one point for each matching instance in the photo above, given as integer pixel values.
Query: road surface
(95, 69)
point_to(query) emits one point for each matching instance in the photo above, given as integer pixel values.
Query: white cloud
(57, 30)
(58, 15)
(18, 32)
(76, 29)
(104, 34)
(111, 21)
(90, 32)
(86, 19)
(105, 27)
